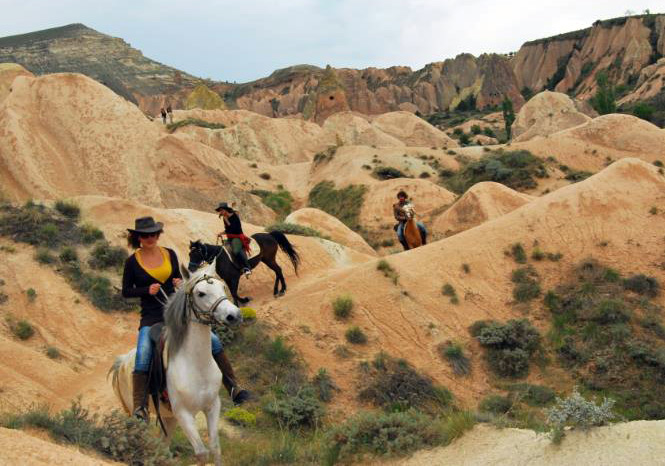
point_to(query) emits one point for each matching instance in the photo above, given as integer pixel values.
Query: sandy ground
(625, 444)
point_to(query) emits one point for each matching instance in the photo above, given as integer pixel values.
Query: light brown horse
(411, 232)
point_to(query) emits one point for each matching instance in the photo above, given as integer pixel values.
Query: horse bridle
(207, 316)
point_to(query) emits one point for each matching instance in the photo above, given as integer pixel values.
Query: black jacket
(136, 283)
(234, 227)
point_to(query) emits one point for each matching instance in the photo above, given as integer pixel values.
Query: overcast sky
(243, 40)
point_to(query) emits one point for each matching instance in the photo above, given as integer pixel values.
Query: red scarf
(244, 238)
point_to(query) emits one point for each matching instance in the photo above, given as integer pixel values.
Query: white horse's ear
(184, 272)
(210, 268)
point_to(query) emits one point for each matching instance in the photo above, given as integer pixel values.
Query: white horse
(192, 377)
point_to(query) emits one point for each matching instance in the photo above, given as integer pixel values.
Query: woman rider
(152, 273)
(233, 231)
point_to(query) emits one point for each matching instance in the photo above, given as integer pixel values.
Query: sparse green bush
(526, 283)
(279, 352)
(68, 254)
(537, 254)
(53, 352)
(172, 127)
(325, 156)
(478, 326)
(240, 416)
(295, 229)
(380, 433)
(117, 436)
(611, 311)
(518, 253)
(475, 129)
(345, 203)
(387, 270)
(515, 169)
(342, 306)
(533, 395)
(265, 176)
(280, 201)
(495, 404)
(294, 411)
(509, 346)
(31, 294)
(577, 175)
(642, 284)
(464, 139)
(21, 329)
(90, 234)
(104, 256)
(577, 412)
(68, 209)
(394, 385)
(454, 354)
(44, 256)
(388, 173)
(356, 336)
(324, 385)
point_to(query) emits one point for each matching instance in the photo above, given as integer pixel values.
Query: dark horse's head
(198, 254)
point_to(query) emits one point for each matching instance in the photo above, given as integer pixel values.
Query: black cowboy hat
(224, 206)
(146, 225)
(402, 193)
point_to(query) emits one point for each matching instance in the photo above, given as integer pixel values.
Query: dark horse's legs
(279, 276)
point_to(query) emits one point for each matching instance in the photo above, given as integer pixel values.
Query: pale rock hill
(19, 447)
(412, 130)
(482, 202)
(8, 72)
(610, 208)
(66, 135)
(356, 164)
(269, 140)
(622, 444)
(353, 129)
(330, 226)
(593, 145)
(544, 114)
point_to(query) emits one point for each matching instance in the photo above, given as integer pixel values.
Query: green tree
(508, 115)
(604, 101)
(644, 111)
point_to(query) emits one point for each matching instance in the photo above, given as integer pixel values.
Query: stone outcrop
(546, 113)
(621, 47)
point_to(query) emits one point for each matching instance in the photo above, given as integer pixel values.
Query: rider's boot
(238, 395)
(242, 257)
(140, 388)
(404, 243)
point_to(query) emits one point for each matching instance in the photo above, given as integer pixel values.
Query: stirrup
(141, 414)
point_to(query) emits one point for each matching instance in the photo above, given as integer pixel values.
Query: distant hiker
(152, 274)
(403, 210)
(233, 231)
(169, 110)
(163, 115)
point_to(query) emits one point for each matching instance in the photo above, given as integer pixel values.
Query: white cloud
(245, 40)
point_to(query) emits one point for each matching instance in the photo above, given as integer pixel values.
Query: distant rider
(401, 217)
(233, 231)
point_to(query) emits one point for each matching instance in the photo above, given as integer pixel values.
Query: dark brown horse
(230, 272)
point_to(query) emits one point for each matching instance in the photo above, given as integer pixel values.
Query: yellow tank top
(161, 273)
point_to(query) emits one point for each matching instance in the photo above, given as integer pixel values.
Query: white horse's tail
(119, 379)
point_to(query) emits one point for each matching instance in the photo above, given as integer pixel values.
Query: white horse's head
(408, 210)
(209, 297)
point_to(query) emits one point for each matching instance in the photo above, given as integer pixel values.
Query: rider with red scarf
(233, 231)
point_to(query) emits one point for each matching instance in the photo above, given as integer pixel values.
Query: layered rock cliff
(569, 63)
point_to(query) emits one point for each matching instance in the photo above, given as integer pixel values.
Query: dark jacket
(234, 227)
(136, 283)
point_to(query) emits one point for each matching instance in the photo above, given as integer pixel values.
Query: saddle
(158, 366)
(254, 250)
